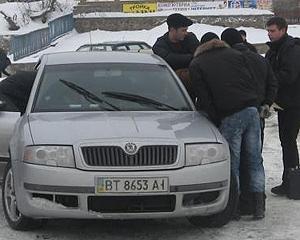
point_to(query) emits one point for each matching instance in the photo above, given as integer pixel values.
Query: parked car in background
(114, 135)
(132, 46)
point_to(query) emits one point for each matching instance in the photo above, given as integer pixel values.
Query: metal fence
(26, 44)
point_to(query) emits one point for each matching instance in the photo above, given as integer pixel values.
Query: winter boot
(246, 203)
(259, 205)
(280, 190)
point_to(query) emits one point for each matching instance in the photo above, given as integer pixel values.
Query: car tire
(14, 218)
(222, 218)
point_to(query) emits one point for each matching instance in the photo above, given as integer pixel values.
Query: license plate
(131, 185)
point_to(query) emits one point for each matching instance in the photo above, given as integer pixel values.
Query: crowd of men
(236, 87)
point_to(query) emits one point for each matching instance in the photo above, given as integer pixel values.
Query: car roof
(102, 57)
(124, 42)
(114, 43)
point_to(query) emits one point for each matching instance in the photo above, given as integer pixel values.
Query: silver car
(131, 46)
(114, 135)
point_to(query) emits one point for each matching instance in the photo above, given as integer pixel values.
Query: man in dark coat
(177, 46)
(249, 45)
(17, 88)
(4, 62)
(260, 69)
(284, 55)
(225, 90)
(267, 86)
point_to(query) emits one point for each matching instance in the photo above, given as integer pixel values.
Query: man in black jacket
(17, 88)
(177, 46)
(249, 45)
(4, 62)
(267, 85)
(284, 55)
(225, 90)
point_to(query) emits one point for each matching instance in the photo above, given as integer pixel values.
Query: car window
(109, 87)
(101, 48)
(121, 48)
(134, 47)
(145, 46)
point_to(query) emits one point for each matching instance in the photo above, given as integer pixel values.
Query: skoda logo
(130, 148)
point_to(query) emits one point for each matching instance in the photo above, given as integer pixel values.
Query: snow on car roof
(102, 57)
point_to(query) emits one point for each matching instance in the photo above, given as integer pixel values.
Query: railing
(26, 44)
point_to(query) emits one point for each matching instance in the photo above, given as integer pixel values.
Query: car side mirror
(2, 105)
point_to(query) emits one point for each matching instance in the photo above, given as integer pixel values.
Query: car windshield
(109, 87)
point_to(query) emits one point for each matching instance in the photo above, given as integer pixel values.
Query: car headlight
(197, 154)
(58, 156)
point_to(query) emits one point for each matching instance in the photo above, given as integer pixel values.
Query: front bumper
(36, 184)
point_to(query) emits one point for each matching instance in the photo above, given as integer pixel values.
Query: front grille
(115, 156)
(132, 204)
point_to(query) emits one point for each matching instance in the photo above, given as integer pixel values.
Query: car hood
(71, 128)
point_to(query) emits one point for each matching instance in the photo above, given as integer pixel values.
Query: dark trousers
(289, 125)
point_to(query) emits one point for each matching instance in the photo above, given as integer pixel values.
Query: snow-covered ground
(20, 11)
(282, 221)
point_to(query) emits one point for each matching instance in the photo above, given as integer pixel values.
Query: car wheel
(222, 218)
(15, 219)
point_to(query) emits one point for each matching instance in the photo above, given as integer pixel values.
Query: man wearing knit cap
(177, 46)
(224, 90)
(208, 36)
(265, 83)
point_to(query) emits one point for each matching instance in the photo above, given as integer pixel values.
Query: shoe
(246, 203)
(279, 190)
(259, 206)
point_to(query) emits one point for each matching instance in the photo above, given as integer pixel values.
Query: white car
(115, 135)
(130, 46)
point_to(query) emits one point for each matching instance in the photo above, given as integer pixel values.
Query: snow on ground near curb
(282, 220)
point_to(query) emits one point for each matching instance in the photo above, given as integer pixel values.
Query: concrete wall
(139, 23)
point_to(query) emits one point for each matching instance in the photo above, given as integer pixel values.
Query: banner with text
(186, 6)
(139, 7)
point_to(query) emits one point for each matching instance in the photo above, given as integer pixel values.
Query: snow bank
(19, 12)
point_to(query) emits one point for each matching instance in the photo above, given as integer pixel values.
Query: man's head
(277, 28)
(231, 36)
(208, 37)
(178, 25)
(243, 34)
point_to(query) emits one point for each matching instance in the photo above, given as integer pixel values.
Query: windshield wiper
(90, 97)
(138, 99)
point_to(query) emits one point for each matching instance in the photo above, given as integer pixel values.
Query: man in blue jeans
(226, 91)
(244, 126)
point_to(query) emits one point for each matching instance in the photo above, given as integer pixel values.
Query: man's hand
(264, 111)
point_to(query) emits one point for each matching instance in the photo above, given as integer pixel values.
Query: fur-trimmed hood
(210, 45)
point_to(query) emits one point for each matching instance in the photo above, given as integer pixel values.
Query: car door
(8, 117)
